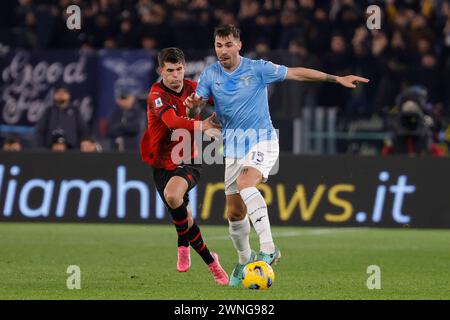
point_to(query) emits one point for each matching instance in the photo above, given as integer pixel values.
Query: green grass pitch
(139, 262)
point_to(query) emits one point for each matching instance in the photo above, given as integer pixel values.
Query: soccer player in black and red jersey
(174, 177)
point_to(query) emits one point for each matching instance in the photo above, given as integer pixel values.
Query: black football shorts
(190, 172)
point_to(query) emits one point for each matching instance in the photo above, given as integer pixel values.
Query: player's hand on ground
(351, 81)
(211, 126)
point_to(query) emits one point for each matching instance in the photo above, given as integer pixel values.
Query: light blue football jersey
(241, 102)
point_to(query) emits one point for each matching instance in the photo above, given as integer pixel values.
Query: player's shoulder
(212, 68)
(158, 95)
(208, 74)
(156, 89)
(267, 67)
(257, 62)
(250, 61)
(251, 65)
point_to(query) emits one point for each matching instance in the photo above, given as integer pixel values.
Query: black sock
(180, 221)
(196, 240)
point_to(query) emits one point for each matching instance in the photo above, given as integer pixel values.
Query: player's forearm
(172, 121)
(305, 74)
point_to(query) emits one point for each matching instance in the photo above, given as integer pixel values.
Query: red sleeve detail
(173, 121)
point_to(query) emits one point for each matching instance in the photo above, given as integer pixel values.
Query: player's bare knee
(235, 216)
(236, 213)
(173, 200)
(249, 177)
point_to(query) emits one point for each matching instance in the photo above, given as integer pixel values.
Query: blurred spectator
(392, 59)
(320, 31)
(148, 43)
(27, 36)
(153, 25)
(429, 74)
(348, 18)
(262, 50)
(338, 61)
(89, 144)
(248, 15)
(127, 37)
(412, 47)
(102, 30)
(364, 64)
(308, 90)
(290, 28)
(110, 43)
(60, 120)
(59, 143)
(125, 123)
(12, 143)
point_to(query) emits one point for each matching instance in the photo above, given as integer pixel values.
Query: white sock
(239, 234)
(257, 211)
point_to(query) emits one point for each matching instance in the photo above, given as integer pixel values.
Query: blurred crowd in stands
(411, 48)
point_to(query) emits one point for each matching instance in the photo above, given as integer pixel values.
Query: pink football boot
(184, 259)
(220, 276)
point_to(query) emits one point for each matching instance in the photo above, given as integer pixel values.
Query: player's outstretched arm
(173, 122)
(305, 74)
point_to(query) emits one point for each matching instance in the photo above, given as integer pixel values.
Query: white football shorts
(262, 156)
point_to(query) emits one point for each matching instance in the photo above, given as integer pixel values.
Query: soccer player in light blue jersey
(238, 87)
